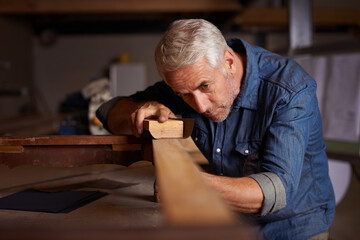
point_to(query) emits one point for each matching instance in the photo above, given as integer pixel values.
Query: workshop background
(60, 61)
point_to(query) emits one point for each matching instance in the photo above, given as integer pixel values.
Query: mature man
(256, 120)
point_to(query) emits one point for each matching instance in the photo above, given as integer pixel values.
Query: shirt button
(218, 150)
(246, 151)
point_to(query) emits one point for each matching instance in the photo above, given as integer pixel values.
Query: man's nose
(199, 103)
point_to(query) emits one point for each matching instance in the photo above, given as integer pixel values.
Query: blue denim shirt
(272, 134)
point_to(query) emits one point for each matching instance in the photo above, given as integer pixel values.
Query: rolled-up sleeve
(103, 111)
(273, 190)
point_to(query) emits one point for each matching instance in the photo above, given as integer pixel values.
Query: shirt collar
(248, 95)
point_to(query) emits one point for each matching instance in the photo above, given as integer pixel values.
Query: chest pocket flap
(248, 148)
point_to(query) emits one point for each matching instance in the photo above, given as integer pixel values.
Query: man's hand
(127, 116)
(150, 109)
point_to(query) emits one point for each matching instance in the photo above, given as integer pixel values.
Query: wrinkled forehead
(198, 68)
(190, 77)
(183, 79)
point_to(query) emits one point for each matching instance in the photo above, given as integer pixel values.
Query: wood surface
(172, 128)
(186, 199)
(188, 146)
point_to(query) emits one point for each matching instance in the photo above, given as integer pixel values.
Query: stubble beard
(224, 109)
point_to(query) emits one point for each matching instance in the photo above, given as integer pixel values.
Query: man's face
(206, 90)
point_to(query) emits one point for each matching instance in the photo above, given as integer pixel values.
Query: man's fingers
(132, 124)
(172, 115)
(148, 110)
(163, 114)
(140, 116)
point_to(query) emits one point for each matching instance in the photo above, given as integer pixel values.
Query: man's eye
(182, 95)
(205, 86)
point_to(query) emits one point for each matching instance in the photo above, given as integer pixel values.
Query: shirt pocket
(251, 156)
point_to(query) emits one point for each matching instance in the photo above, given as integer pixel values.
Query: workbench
(127, 212)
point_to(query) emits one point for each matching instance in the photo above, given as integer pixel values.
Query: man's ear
(229, 62)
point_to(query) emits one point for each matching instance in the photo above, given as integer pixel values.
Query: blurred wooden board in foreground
(188, 201)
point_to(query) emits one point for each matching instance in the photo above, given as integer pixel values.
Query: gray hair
(187, 42)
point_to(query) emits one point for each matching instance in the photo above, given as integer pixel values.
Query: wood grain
(172, 128)
(187, 200)
(190, 147)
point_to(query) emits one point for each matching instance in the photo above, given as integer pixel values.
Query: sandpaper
(51, 202)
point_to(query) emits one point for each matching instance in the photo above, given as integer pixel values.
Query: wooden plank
(190, 148)
(172, 128)
(115, 6)
(187, 200)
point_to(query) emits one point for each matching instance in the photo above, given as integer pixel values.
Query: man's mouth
(210, 113)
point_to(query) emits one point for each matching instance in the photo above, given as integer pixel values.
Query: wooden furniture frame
(73, 151)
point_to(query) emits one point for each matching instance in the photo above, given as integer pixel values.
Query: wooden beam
(115, 6)
(188, 146)
(187, 200)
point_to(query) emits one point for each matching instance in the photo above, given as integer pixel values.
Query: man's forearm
(244, 194)
(118, 118)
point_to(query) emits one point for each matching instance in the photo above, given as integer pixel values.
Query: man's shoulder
(271, 67)
(284, 72)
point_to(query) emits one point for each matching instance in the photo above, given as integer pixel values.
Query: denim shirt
(272, 134)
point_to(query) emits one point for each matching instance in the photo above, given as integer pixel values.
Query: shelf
(278, 17)
(115, 6)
